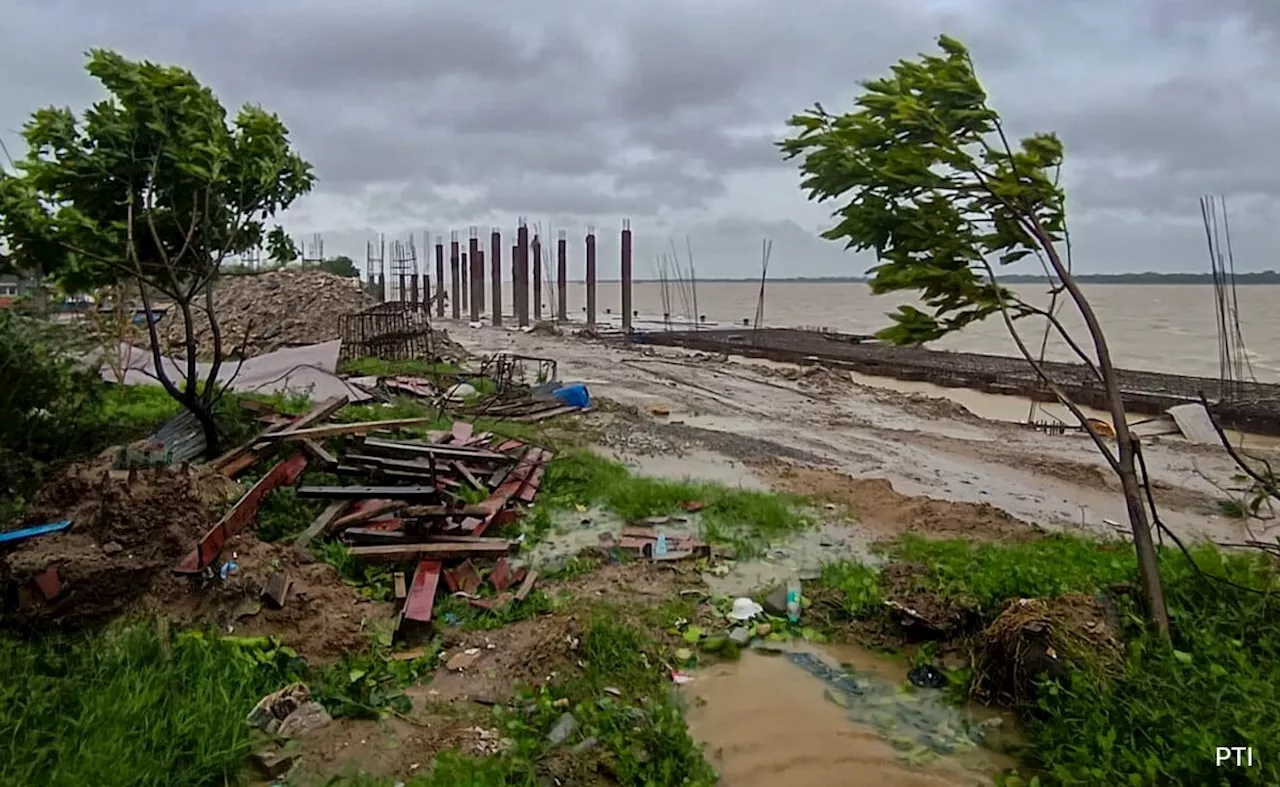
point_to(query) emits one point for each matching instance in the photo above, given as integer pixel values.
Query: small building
(14, 287)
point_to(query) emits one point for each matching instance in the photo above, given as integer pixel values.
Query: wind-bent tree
(281, 249)
(151, 188)
(932, 185)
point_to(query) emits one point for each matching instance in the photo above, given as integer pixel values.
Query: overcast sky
(431, 116)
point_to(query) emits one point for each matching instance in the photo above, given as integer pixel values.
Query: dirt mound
(131, 530)
(277, 308)
(126, 530)
(878, 506)
(1036, 637)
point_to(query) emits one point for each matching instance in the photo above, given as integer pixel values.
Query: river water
(1164, 328)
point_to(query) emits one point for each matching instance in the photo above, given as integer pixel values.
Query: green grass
(641, 737)
(458, 612)
(132, 706)
(747, 519)
(443, 373)
(1159, 723)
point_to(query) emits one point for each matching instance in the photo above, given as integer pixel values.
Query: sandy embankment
(947, 471)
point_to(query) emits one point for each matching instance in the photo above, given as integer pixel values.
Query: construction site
(478, 497)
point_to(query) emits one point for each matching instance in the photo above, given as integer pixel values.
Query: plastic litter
(228, 569)
(745, 609)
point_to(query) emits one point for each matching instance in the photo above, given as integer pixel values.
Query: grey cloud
(431, 115)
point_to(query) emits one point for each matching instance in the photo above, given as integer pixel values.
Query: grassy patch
(746, 519)
(133, 706)
(992, 573)
(375, 582)
(1160, 721)
(457, 612)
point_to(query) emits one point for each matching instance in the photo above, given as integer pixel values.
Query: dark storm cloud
(418, 115)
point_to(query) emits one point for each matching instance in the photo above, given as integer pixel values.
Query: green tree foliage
(932, 185)
(150, 187)
(341, 266)
(49, 409)
(281, 249)
(933, 188)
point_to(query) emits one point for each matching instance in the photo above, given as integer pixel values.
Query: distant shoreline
(1241, 279)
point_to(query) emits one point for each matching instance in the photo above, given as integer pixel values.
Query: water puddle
(801, 718)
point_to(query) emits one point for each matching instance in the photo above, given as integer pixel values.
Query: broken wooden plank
(439, 512)
(242, 457)
(241, 514)
(468, 476)
(463, 577)
(277, 590)
(364, 510)
(374, 535)
(331, 430)
(421, 597)
(509, 488)
(319, 453)
(526, 585)
(376, 445)
(361, 492)
(321, 525)
(397, 580)
(403, 466)
(509, 445)
(501, 576)
(439, 551)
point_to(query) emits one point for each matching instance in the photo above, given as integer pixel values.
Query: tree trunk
(212, 440)
(1148, 564)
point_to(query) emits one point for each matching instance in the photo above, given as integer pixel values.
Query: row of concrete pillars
(467, 272)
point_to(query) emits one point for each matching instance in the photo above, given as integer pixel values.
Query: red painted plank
(509, 445)
(241, 514)
(501, 575)
(422, 593)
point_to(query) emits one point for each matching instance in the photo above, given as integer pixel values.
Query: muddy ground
(818, 431)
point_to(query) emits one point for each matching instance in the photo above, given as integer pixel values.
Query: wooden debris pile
(426, 503)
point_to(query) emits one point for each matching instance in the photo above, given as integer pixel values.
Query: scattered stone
(764, 630)
(740, 635)
(273, 764)
(584, 746)
(112, 548)
(611, 691)
(463, 660)
(776, 602)
(308, 718)
(564, 728)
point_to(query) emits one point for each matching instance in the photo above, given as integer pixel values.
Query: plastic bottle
(660, 549)
(793, 599)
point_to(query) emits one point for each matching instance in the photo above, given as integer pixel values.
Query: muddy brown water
(766, 721)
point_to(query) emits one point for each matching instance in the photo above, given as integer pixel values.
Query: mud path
(753, 411)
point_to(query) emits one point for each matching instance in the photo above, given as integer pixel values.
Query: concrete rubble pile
(279, 308)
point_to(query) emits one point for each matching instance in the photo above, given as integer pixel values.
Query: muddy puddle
(837, 716)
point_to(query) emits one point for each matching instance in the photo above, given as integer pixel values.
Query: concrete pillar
(495, 271)
(537, 278)
(562, 276)
(591, 276)
(626, 276)
(522, 275)
(476, 278)
(455, 282)
(440, 287)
